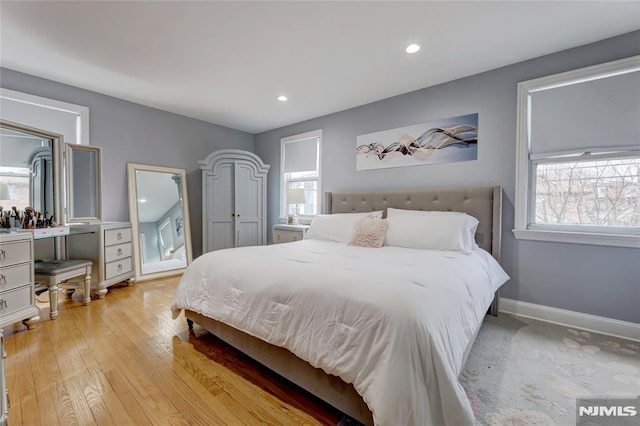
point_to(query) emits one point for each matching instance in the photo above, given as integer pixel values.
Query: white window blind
(599, 114)
(301, 156)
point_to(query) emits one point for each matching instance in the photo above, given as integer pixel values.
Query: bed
(382, 341)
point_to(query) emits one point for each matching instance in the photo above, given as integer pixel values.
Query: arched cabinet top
(233, 154)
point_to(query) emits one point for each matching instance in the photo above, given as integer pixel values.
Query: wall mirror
(84, 183)
(30, 172)
(159, 211)
(33, 173)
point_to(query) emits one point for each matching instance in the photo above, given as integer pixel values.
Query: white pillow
(336, 227)
(431, 230)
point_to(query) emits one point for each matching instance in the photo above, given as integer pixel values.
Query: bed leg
(493, 310)
(190, 324)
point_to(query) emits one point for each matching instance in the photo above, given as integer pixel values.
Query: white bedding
(393, 321)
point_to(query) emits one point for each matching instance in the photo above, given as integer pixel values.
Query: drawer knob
(119, 236)
(3, 254)
(119, 252)
(3, 304)
(119, 267)
(3, 279)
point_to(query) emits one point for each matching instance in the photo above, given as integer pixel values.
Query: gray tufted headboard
(483, 203)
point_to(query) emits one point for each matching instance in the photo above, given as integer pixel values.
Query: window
(300, 169)
(14, 187)
(166, 239)
(578, 166)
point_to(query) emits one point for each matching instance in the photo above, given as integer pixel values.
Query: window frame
(524, 226)
(302, 218)
(80, 112)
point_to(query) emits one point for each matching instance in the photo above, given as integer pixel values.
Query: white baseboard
(608, 326)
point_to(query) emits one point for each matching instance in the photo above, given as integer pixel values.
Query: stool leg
(87, 289)
(53, 301)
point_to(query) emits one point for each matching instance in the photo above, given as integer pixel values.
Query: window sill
(302, 220)
(630, 241)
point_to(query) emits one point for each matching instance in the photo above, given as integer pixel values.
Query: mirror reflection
(84, 183)
(26, 170)
(160, 220)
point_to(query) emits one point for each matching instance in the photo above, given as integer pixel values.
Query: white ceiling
(226, 62)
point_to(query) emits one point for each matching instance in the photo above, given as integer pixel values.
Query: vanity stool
(55, 272)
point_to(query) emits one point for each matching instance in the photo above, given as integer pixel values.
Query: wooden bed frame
(484, 203)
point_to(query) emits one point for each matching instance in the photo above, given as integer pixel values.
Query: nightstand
(288, 233)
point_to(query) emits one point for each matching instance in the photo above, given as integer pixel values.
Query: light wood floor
(124, 361)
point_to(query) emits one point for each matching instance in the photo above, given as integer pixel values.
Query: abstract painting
(442, 141)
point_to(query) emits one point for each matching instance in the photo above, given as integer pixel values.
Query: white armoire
(234, 200)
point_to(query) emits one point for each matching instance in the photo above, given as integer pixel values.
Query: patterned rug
(527, 372)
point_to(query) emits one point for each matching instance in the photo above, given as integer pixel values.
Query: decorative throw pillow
(369, 233)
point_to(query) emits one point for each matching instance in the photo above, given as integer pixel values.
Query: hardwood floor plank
(71, 368)
(28, 402)
(14, 378)
(124, 361)
(45, 392)
(131, 405)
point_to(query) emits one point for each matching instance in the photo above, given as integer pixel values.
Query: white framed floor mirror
(159, 210)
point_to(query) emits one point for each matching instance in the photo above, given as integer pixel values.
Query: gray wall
(129, 132)
(597, 280)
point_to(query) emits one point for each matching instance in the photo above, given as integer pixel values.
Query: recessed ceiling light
(282, 98)
(142, 200)
(412, 48)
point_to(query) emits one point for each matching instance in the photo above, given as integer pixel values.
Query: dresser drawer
(14, 300)
(117, 236)
(286, 236)
(15, 276)
(119, 267)
(15, 252)
(120, 251)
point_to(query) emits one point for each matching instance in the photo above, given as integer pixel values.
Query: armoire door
(220, 208)
(248, 206)
(234, 200)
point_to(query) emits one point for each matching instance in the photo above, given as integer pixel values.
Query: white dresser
(17, 293)
(17, 296)
(288, 233)
(108, 245)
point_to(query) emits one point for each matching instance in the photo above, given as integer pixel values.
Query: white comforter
(395, 322)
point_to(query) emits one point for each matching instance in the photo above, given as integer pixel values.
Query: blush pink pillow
(369, 233)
